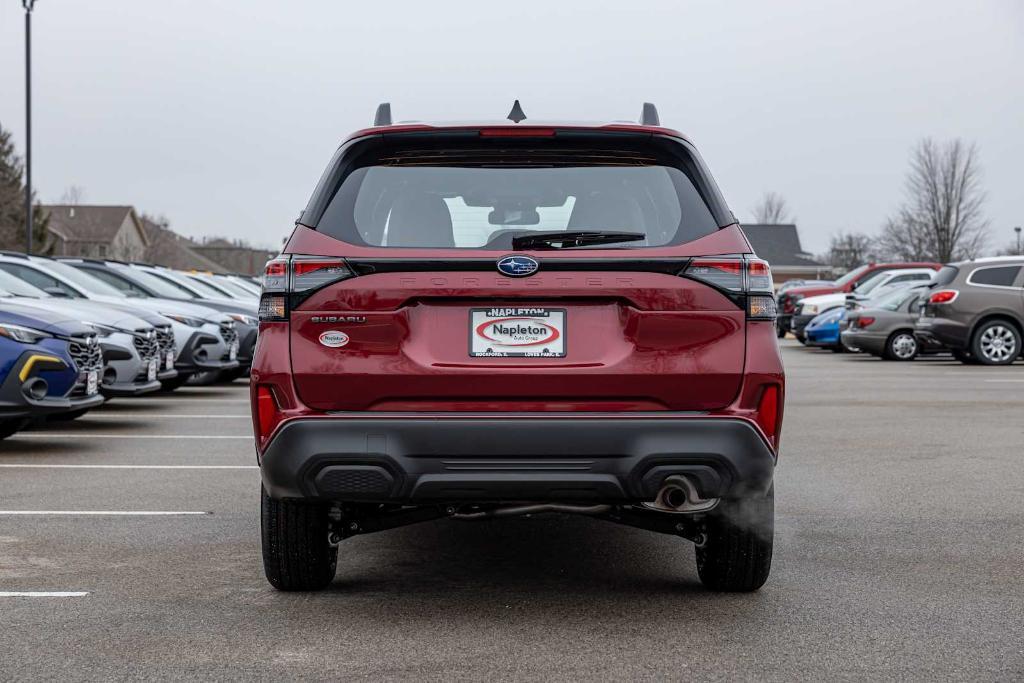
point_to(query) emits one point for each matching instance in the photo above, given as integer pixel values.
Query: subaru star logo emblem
(517, 266)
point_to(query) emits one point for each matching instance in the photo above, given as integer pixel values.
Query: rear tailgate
(632, 341)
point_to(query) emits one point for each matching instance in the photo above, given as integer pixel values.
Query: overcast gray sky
(221, 115)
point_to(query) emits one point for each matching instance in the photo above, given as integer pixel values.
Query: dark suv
(976, 308)
(487, 320)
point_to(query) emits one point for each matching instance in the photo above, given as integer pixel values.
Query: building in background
(779, 245)
(113, 232)
(121, 234)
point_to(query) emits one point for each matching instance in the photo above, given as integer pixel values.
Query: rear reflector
(268, 415)
(768, 412)
(943, 296)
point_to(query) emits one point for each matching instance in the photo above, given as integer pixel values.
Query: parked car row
(77, 332)
(972, 309)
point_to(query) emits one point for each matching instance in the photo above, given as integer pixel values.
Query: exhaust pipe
(678, 494)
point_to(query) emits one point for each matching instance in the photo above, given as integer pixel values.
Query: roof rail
(16, 254)
(383, 115)
(649, 115)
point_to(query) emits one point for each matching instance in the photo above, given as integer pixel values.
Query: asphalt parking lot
(899, 554)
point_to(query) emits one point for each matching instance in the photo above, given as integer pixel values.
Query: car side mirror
(57, 292)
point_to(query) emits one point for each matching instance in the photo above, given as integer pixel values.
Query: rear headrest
(420, 221)
(606, 211)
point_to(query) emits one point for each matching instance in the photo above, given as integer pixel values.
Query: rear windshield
(479, 195)
(945, 275)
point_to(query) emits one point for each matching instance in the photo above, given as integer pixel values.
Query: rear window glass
(946, 275)
(482, 197)
(1001, 276)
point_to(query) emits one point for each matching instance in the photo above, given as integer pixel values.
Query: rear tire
(737, 556)
(901, 345)
(996, 342)
(296, 553)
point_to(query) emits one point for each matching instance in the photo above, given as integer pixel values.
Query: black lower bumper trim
(130, 388)
(413, 459)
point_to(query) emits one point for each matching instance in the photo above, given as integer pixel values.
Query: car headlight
(101, 329)
(810, 308)
(243, 319)
(25, 335)
(184, 319)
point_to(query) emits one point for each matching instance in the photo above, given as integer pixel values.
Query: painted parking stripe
(34, 466)
(43, 594)
(112, 513)
(1004, 380)
(73, 435)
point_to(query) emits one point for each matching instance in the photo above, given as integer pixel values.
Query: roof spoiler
(648, 114)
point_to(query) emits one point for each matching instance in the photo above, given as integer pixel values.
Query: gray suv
(976, 309)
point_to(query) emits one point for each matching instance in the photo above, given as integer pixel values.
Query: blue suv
(48, 365)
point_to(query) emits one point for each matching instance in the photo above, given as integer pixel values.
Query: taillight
(943, 296)
(768, 412)
(287, 276)
(722, 273)
(740, 276)
(865, 321)
(268, 415)
(309, 272)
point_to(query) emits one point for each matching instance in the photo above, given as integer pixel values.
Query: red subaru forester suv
(475, 321)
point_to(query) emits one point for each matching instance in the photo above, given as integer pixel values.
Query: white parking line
(43, 594)
(1004, 380)
(112, 513)
(127, 467)
(73, 435)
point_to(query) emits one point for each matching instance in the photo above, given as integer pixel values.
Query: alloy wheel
(998, 343)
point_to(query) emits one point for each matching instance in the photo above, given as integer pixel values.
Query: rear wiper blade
(567, 239)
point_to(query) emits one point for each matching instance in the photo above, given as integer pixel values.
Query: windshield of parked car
(851, 276)
(893, 301)
(872, 282)
(84, 281)
(234, 289)
(484, 195)
(13, 286)
(204, 289)
(160, 288)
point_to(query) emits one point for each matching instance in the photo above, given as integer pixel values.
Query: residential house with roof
(91, 231)
(779, 245)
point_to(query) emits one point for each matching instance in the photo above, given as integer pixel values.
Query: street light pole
(28, 4)
(1017, 230)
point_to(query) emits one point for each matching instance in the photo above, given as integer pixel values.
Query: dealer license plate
(92, 383)
(169, 361)
(522, 332)
(233, 351)
(151, 370)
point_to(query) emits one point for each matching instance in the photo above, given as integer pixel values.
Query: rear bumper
(410, 459)
(943, 332)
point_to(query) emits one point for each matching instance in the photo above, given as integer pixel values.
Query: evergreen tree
(12, 203)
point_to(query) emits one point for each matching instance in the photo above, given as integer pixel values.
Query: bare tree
(941, 218)
(772, 209)
(847, 250)
(73, 194)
